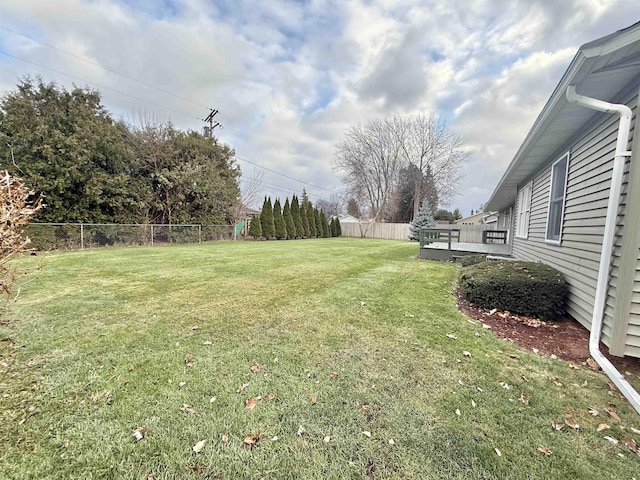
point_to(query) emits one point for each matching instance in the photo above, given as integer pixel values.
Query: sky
(289, 77)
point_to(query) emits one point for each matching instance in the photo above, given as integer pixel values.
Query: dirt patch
(565, 338)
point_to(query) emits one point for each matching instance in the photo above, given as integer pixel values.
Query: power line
(285, 175)
(96, 64)
(100, 86)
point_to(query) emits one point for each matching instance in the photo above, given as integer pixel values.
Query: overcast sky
(290, 76)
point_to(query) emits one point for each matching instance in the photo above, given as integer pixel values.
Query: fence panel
(400, 231)
(79, 236)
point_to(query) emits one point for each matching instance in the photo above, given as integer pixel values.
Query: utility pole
(208, 131)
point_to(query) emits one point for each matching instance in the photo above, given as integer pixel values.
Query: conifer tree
(288, 220)
(255, 228)
(338, 228)
(424, 219)
(297, 219)
(278, 221)
(304, 221)
(333, 227)
(326, 231)
(305, 199)
(266, 220)
(313, 232)
(316, 217)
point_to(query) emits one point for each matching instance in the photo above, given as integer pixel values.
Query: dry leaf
(206, 343)
(557, 426)
(391, 441)
(327, 439)
(492, 311)
(242, 387)
(212, 399)
(458, 412)
(131, 368)
(556, 381)
(524, 398)
(197, 448)
(251, 403)
(333, 375)
(544, 450)
(452, 336)
(594, 412)
(488, 327)
(270, 396)
(535, 350)
(635, 430)
(611, 439)
(466, 354)
(473, 403)
(603, 426)
(195, 327)
(225, 438)
(139, 433)
(188, 362)
(300, 430)
(498, 452)
(613, 414)
(631, 444)
(187, 409)
(255, 368)
(505, 386)
(182, 384)
(250, 441)
(274, 439)
(367, 434)
(362, 304)
(313, 400)
(575, 426)
(592, 364)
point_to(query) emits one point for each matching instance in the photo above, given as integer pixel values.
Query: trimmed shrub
(255, 228)
(469, 260)
(527, 288)
(278, 221)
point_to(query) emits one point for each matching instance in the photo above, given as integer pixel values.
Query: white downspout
(607, 241)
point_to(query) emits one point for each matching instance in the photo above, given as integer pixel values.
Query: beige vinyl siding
(578, 256)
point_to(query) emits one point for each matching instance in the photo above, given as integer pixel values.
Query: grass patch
(358, 324)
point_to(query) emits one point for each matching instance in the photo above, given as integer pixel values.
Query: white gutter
(607, 241)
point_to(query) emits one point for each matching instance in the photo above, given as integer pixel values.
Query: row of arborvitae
(295, 220)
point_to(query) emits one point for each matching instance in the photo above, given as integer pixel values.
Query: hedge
(531, 289)
(468, 260)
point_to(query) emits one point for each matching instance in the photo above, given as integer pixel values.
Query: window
(524, 211)
(556, 199)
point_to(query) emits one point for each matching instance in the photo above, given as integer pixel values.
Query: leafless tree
(250, 188)
(334, 205)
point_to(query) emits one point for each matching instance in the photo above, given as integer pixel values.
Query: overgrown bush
(469, 260)
(531, 289)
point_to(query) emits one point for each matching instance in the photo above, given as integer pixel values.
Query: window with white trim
(524, 211)
(558, 191)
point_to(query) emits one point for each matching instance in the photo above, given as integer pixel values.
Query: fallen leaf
(274, 439)
(225, 438)
(313, 400)
(611, 439)
(197, 448)
(613, 414)
(212, 399)
(242, 387)
(603, 426)
(585, 384)
(553, 357)
(535, 350)
(182, 384)
(479, 389)
(594, 412)
(452, 336)
(492, 311)
(488, 327)
(524, 398)
(392, 441)
(574, 367)
(270, 396)
(635, 430)
(206, 343)
(473, 403)
(498, 452)
(367, 434)
(255, 368)
(631, 444)
(557, 426)
(592, 364)
(327, 439)
(544, 450)
(458, 412)
(300, 430)
(333, 375)
(466, 354)
(556, 381)
(250, 441)
(362, 304)
(188, 362)
(575, 426)
(187, 409)
(139, 433)
(505, 386)
(131, 368)
(195, 327)
(251, 403)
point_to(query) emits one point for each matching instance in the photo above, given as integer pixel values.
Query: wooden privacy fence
(400, 231)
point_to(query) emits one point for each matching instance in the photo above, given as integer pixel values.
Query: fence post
(152, 234)
(234, 232)
(199, 233)
(82, 236)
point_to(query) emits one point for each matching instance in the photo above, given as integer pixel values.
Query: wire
(285, 175)
(96, 64)
(100, 86)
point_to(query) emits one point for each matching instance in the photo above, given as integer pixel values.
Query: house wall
(589, 179)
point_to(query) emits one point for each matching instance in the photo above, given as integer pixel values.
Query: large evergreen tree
(333, 227)
(304, 221)
(278, 221)
(316, 217)
(326, 230)
(338, 228)
(297, 219)
(424, 219)
(266, 220)
(288, 220)
(313, 232)
(255, 228)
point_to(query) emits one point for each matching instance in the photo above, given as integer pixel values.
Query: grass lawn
(350, 337)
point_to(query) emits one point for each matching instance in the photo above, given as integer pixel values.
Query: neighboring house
(348, 219)
(491, 218)
(478, 219)
(555, 192)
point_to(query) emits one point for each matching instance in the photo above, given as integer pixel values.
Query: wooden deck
(441, 251)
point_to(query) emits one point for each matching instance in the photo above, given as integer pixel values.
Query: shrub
(469, 260)
(531, 289)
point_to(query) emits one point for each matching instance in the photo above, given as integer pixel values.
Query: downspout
(607, 241)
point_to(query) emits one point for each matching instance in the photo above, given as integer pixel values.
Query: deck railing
(431, 235)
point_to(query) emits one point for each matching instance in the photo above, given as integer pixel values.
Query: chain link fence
(80, 236)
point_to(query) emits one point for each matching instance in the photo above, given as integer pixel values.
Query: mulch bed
(565, 338)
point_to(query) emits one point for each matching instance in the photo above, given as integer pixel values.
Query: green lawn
(107, 336)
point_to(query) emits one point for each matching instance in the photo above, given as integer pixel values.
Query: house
(348, 218)
(478, 218)
(555, 194)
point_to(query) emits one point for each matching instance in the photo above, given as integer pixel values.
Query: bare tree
(369, 158)
(334, 205)
(250, 189)
(430, 146)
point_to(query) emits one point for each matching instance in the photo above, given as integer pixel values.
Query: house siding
(578, 256)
